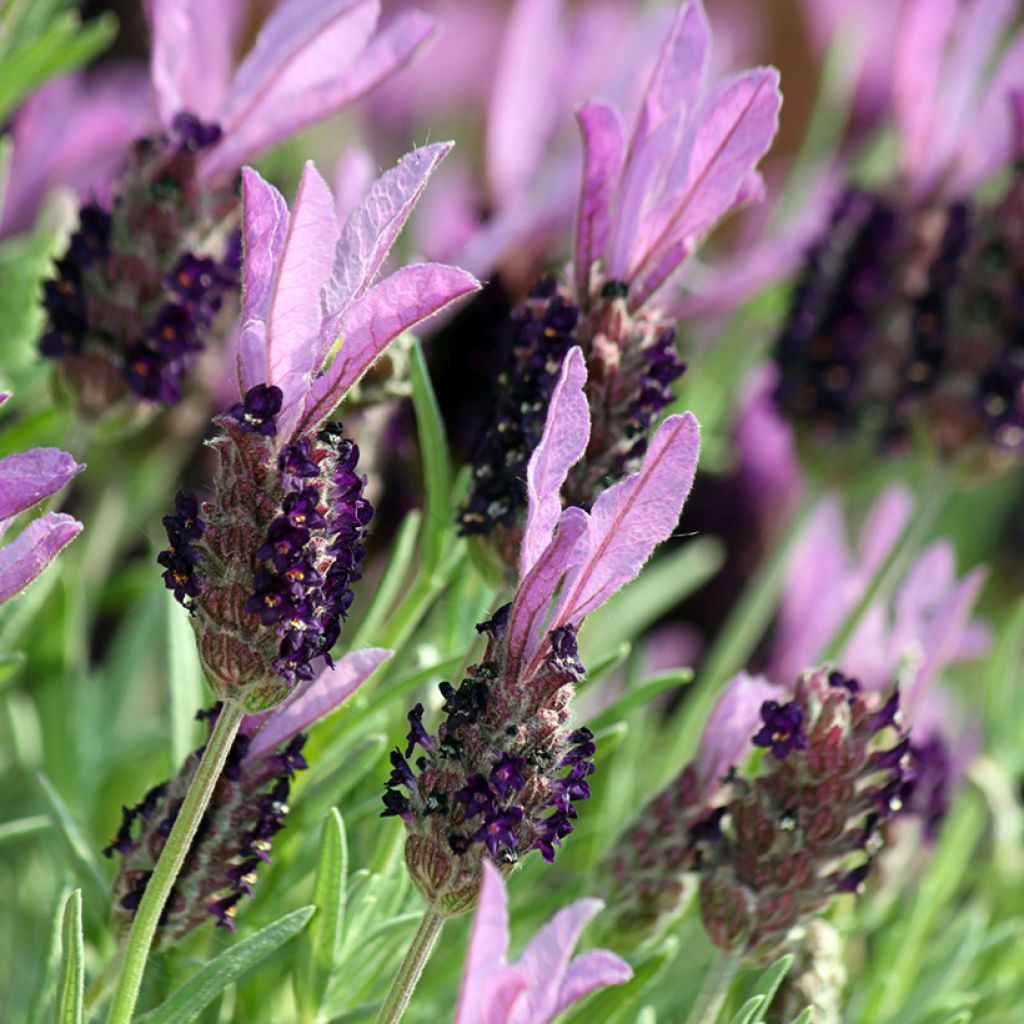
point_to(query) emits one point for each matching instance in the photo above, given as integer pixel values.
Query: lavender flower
(248, 808)
(905, 311)
(136, 294)
(643, 207)
(545, 980)
(267, 566)
(506, 769)
(27, 478)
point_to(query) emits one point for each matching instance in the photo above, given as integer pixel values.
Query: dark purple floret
(927, 792)
(783, 728)
(180, 557)
(224, 910)
(709, 829)
(401, 773)
(395, 805)
(417, 733)
(853, 881)
(507, 776)
(256, 412)
(194, 134)
(565, 654)
(296, 466)
(887, 715)
(476, 796)
(499, 830)
(494, 627)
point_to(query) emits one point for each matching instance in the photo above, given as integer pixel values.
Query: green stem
(715, 988)
(409, 973)
(158, 889)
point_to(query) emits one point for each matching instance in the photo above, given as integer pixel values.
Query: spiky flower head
(644, 204)
(248, 808)
(135, 297)
(906, 323)
(266, 566)
(504, 772)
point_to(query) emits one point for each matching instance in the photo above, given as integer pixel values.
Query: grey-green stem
(165, 874)
(715, 988)
(408, 975)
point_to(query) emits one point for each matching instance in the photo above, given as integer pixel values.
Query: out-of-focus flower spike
(546, 980)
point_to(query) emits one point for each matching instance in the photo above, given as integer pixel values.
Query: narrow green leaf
(439, 511)
(322, 942)
(46, 986)
(403, 548)
(71, 1000)
(205, 985)
(10, 665)
(608, 662)
(750, 1011)
(640, 696)
(768, 984)
(365, 1011)
(83, 860)
(806, 1017)
(184, 678)
(23, 827)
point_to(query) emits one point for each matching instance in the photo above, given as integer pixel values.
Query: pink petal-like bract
(28, 477)
(602, 162)
(629, 520)
(565, 437)
(25, 557)
(488, 945)
(331, 688)
(373, 321)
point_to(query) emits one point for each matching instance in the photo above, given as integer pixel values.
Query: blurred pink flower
(27, 478)
(545, 980)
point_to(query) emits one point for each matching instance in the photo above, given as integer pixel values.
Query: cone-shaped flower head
(137, 292)
(267, 565)
(27, 478)
(248, 807)
(505, 769)
(907, 310)
(545, 980)
(644, 205)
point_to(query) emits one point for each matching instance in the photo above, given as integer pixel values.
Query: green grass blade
(185, 680)
(42, 999)
(205, 985)
(768, 984)
(71, 1000)
(322, 942)
(750, 1011)
(640, 696)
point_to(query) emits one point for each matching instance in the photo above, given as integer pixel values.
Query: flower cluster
(643, 207)
(506, 769)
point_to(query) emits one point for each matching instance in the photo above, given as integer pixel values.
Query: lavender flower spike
(506, 770)
(545, 980)
(249, 807)
(267, 566)
(26, 478)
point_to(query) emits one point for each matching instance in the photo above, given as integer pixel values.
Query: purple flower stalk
(138, 291)
(27, 478)
(644, 204)
(506, 768)
(266, 567)
(248, 808)
(906, 311)
(545, 980)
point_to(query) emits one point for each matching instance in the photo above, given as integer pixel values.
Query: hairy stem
(158, 889)
(408, 975)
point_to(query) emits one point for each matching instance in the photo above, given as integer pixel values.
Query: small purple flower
(417, 733)
(256, 412)
(507, 776)
(782, 730)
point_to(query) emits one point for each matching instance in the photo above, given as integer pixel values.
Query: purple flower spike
(782, 730)
(546, 980)
(27, 478)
